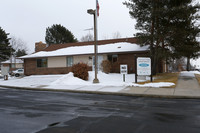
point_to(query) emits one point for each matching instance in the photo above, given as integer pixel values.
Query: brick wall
(128, 59)
(30, 68)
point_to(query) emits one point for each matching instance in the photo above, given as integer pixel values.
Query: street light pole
(93, 12)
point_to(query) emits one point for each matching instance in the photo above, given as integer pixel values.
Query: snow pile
(156, 85)
(112, 79)
(104, 79)
(69, 79)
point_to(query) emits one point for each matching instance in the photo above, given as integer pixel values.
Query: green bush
(106, 65)
(80, 70)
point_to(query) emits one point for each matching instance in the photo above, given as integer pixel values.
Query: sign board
(143, 66)
(124, 69)
(4, 70)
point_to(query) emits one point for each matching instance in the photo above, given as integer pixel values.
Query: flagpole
(96, 20)
(97, 10)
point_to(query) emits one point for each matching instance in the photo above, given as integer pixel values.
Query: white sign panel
(143, 66)
(123, 69)
(4, 70)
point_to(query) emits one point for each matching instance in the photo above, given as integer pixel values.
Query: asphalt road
(23, 111)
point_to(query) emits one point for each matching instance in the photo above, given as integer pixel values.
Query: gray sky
(28, 19)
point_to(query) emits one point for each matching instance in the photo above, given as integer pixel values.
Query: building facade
(59, 58)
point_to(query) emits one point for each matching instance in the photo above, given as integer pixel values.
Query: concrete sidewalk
(187, 87)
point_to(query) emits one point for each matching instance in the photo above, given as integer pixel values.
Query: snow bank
(112, 79)
(68, 81)
(104, 79)
(156, 85)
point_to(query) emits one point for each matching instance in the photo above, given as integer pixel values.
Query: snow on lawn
(30, 81)
(189, 73)
(68, 81)
(195, 72)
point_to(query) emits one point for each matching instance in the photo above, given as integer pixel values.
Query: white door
(99, 60)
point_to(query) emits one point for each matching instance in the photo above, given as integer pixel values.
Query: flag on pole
(97, 7)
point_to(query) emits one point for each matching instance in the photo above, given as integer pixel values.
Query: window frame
(43, 63)
(71, 60)
(13, 65)
(111, 58)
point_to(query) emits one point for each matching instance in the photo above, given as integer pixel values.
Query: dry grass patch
(164, 77)
(198, 77)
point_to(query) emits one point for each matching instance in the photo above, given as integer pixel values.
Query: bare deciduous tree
(87, 38)
(177, 65)
(18, 45)
(116, 35)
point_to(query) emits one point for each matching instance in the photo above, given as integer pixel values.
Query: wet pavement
(23, 111)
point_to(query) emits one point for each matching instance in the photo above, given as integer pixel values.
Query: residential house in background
(59, 58)
(13, 64)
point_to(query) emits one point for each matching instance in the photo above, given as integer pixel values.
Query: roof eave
(136, 52)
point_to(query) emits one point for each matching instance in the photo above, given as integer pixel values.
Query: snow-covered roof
(89, 49)
(13, 61)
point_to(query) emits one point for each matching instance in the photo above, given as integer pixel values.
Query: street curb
(106, 93)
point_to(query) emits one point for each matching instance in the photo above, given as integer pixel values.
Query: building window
(42, 62)
(12, 65)
(69, 61)
(113, 58)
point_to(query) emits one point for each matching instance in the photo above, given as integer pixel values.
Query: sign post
(143, 67)
(124, 71)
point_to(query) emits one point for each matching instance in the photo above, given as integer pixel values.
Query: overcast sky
(28, 19)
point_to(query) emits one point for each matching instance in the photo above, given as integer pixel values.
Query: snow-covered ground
(195, 63)
(190, 73)
(68, 81)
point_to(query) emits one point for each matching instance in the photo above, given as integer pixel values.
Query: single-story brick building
(58, 58)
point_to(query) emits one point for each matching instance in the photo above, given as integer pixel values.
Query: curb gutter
(106, 93)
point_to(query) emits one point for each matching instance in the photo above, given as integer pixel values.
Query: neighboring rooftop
(13, 61)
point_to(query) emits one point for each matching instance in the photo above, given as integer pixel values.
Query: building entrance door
(99, 61)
